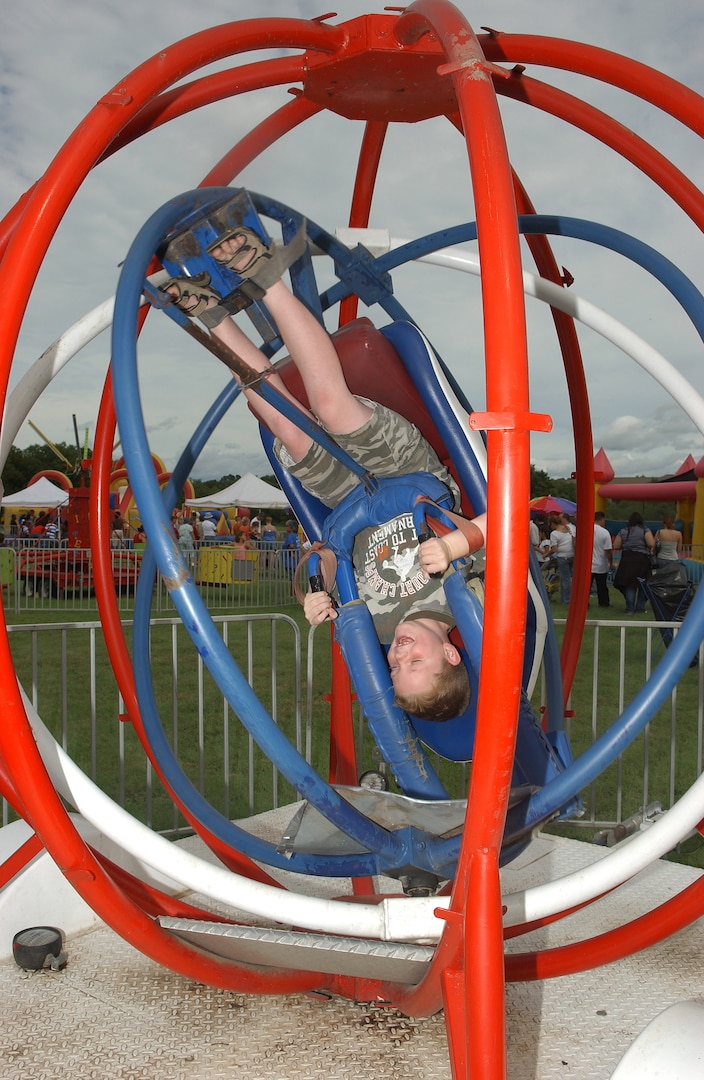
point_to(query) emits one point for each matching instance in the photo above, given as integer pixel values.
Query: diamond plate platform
(113, 1013)
(357, 958)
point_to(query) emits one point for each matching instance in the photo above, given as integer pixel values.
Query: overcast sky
(57, 60)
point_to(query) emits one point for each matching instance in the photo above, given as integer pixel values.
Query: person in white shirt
(562, 547)
(208, 526)
(534, 536)
(602, 559)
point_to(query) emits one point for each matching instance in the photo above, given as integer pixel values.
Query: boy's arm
(436, 554)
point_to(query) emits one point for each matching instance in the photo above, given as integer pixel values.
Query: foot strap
(196, 297)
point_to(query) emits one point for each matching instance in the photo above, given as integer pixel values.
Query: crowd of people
(45, 527)
(242, 534)
(639, 550)
(619, 561)
(258, 532)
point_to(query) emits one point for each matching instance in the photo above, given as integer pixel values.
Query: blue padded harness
(362, 510)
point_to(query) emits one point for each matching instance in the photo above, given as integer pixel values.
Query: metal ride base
(111, 1012)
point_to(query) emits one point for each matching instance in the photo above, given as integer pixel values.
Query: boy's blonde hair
(448, 696)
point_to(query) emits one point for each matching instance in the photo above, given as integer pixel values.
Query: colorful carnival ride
(434, 945)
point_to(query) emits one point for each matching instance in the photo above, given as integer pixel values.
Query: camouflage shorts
(386, 445)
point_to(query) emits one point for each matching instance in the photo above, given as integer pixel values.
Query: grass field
(662, 762)
(223, 762)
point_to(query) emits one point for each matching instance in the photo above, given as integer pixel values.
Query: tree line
(22, 465)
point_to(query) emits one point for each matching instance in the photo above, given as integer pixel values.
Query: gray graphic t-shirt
(390, 579)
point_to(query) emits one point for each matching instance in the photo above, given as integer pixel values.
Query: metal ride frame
(457, 74)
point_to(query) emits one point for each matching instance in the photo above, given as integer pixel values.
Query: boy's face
(418, 654)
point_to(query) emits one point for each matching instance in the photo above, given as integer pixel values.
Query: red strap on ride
(474, 534)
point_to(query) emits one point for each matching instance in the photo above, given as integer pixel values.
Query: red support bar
(612, 134)
(638, 79)
(51, 196)
(367, 169)
(507, 552)
(584, 453)
(113, 632)
(641, 933)
(41, 213)
(20, 859)
(259, 139)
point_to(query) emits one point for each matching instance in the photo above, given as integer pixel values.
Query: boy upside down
(428, 675)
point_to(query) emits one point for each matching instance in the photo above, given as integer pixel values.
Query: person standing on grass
(291, 550)
(602, 559)
(186, 539)
(668, 542)
(562, 547)
(636, 544)
(208, 528)
(268, 541)
(197, 528)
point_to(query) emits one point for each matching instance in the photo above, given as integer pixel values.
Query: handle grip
(422, 537)
(316, 583)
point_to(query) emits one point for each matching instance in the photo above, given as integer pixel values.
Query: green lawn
(647, 772)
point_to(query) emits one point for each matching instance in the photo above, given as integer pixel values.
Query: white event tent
(248, 491)
(41, 494)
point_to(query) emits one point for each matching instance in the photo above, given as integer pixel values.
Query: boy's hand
(436, 554)
(317, 607)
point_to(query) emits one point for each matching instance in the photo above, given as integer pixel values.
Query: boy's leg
(296, 441)
(314, 355)
(381, 440)
(375, 442)
(249, 254)
(308, 344)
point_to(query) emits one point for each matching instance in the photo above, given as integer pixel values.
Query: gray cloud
(54, 68)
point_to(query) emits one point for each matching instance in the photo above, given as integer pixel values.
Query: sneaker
(185, 253)
(193, 295)
(197, 299)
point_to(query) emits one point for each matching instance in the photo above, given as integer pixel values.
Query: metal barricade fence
(41, 577)
(8, 577)
(86, 714)
(288, 666)
(655, 770)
